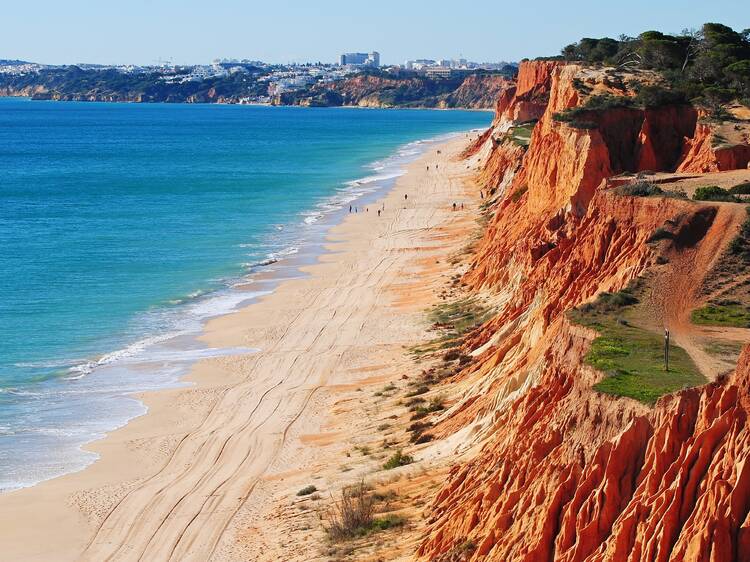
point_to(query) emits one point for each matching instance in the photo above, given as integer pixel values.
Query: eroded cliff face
(564, 472)
(702, 153)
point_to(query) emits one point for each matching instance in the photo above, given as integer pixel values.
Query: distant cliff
(476, 91)
(72, 83)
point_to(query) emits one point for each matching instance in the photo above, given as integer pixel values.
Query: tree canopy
(711, 64)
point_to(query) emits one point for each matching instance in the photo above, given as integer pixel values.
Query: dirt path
(677, 294)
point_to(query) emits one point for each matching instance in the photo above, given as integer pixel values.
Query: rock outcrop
(702, 154)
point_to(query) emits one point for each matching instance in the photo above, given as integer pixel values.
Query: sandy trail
(678, 294)
(170, 485)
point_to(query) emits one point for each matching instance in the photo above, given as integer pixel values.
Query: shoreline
(156, 449)
(259, 104)
(305, 239)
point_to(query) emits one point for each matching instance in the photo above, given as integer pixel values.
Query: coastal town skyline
(294, 32)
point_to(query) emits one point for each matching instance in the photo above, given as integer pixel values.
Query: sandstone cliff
(553, 469)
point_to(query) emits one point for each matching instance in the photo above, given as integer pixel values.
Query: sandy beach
(211, 472)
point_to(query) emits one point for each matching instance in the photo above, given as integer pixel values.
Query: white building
(360, 59)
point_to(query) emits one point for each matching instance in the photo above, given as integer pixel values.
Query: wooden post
(666, 349)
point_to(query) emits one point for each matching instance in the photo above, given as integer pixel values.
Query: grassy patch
(521, 134)
(455, 319)
(631, 357)
(724, 349)
(729, 313)
(390, 521)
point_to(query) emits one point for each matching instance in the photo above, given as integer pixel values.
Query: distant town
(269, 81)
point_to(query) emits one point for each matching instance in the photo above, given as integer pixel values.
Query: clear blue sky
(187, 31)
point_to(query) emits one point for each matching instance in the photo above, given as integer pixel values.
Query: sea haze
(123, 227)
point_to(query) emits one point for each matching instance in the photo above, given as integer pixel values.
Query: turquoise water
(123, 227)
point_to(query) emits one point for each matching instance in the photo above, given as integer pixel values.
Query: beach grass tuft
(353, 514)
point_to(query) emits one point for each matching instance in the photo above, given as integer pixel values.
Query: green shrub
(713, 193)
(639, 189)
(650, 96)
(307, 490)
(398, 459)
(642, 188)
(607, 101)
(574, 118)
(741, 189)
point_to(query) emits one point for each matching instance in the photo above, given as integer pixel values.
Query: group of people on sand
(353, 209)
(456, 206)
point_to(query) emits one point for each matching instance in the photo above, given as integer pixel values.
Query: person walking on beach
(378, 212)
(350, 208)
(462, 206)
(406, 196)
(454, 206)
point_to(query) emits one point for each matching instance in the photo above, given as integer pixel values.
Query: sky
(283, 31)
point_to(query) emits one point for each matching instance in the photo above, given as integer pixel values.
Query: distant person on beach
(462, 206)
(405, 196)
(350, 208)
(454, 206)
(428, 168)
(356, 210)
(436, 166)
(378, 212)
(481, 195)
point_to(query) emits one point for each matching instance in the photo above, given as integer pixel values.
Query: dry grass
(352, 514)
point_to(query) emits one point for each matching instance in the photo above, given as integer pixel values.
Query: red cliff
(565, 472)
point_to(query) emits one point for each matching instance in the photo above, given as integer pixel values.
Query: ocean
(124, 227)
